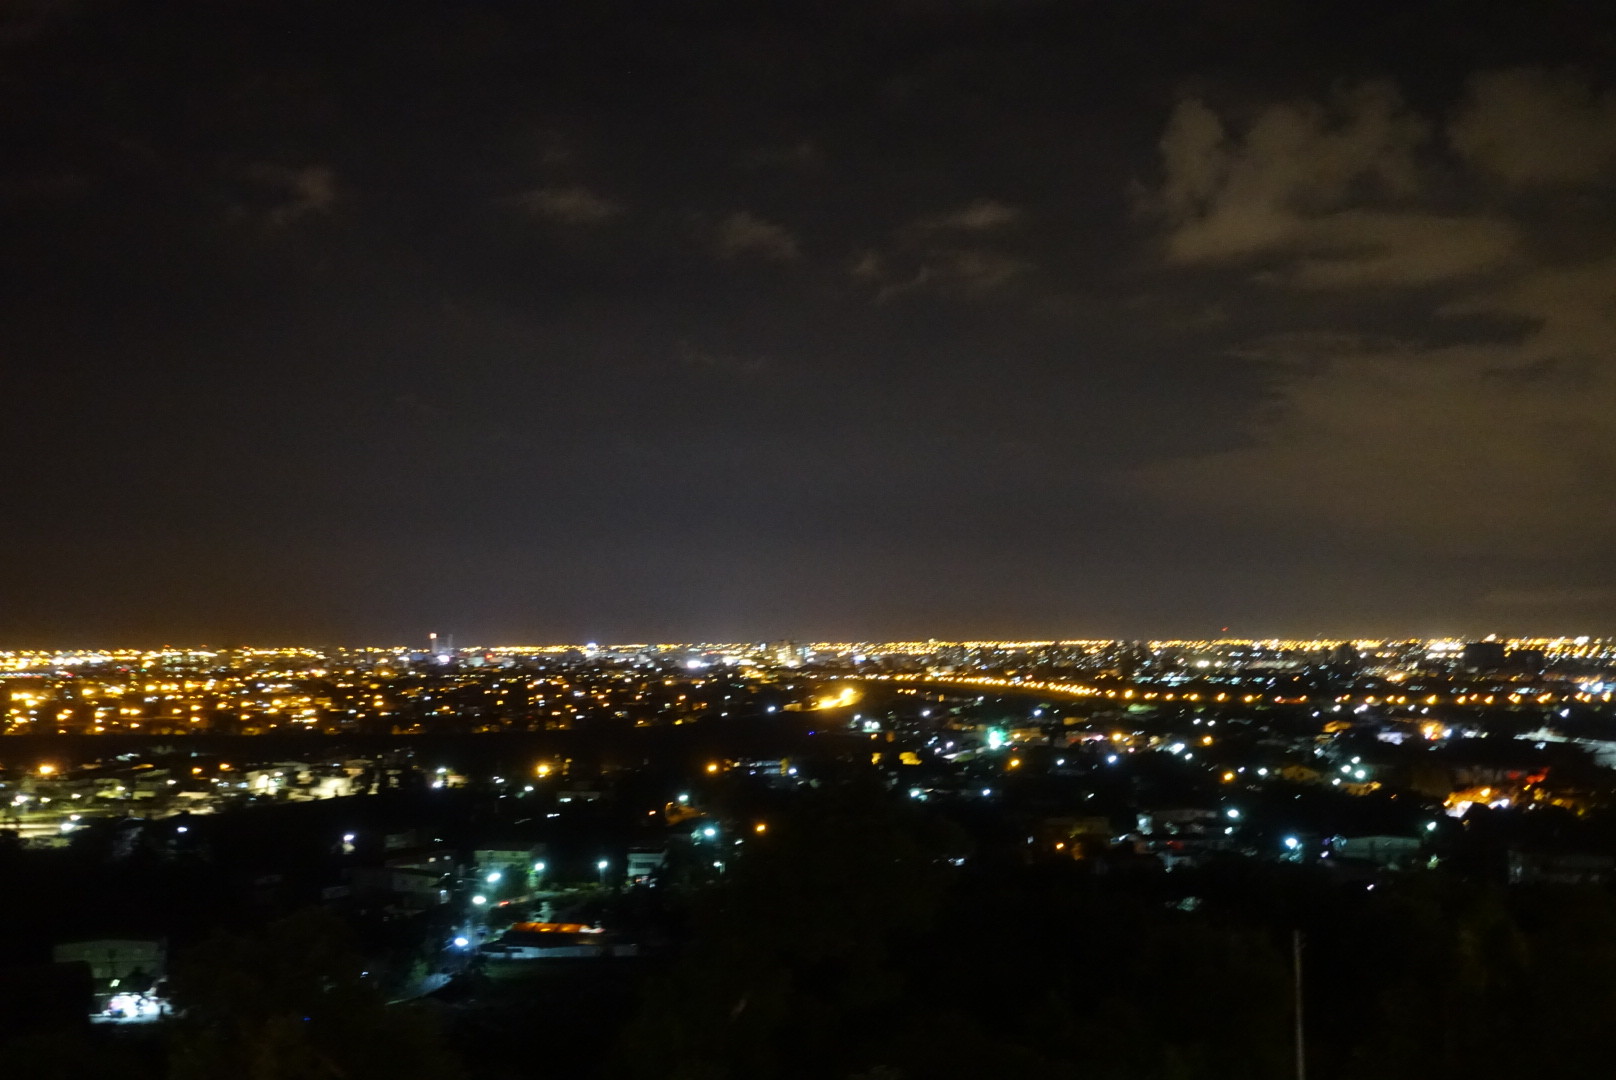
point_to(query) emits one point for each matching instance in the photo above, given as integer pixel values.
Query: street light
(479, 899)
(601, 866)
(493, 879)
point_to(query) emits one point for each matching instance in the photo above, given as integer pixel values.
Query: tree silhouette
(294, 1003)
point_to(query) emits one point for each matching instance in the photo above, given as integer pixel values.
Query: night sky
(627, 321)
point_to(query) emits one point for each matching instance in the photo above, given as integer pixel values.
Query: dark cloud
(1481, 436)
(980, 216)
(952, 271)
(295, 193)
(572, 205)
(745, 234)
(1331, 192)
(1530, 127)
(968, 251)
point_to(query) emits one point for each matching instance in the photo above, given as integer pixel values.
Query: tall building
(1483, 656)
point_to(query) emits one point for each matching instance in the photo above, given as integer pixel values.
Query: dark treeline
(865, 935)
(603, 744)
(848, 946)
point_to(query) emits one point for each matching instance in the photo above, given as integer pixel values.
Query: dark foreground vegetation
(866, 936)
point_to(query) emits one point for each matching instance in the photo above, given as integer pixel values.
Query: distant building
(117, 965)
(1568, 868)
(1483, 656)
(511, 858)
(644, 863)
(1529, 661)
(1392, 852)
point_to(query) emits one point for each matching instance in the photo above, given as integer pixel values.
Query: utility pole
(1296, 969)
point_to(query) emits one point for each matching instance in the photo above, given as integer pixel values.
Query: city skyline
(447, 646)
(11, 653)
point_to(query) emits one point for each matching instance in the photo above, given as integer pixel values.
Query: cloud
(803, 154)
(572, 205)
(725, 365)
(297, 193)
(1572, 306)
(1292, 159)
(957, 252)
(1482, 418)
(1324, 193)
(745, 234)
(957, 271)
(1530, 127)
(1500, 447)
(983, 215)
(1358, 248)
